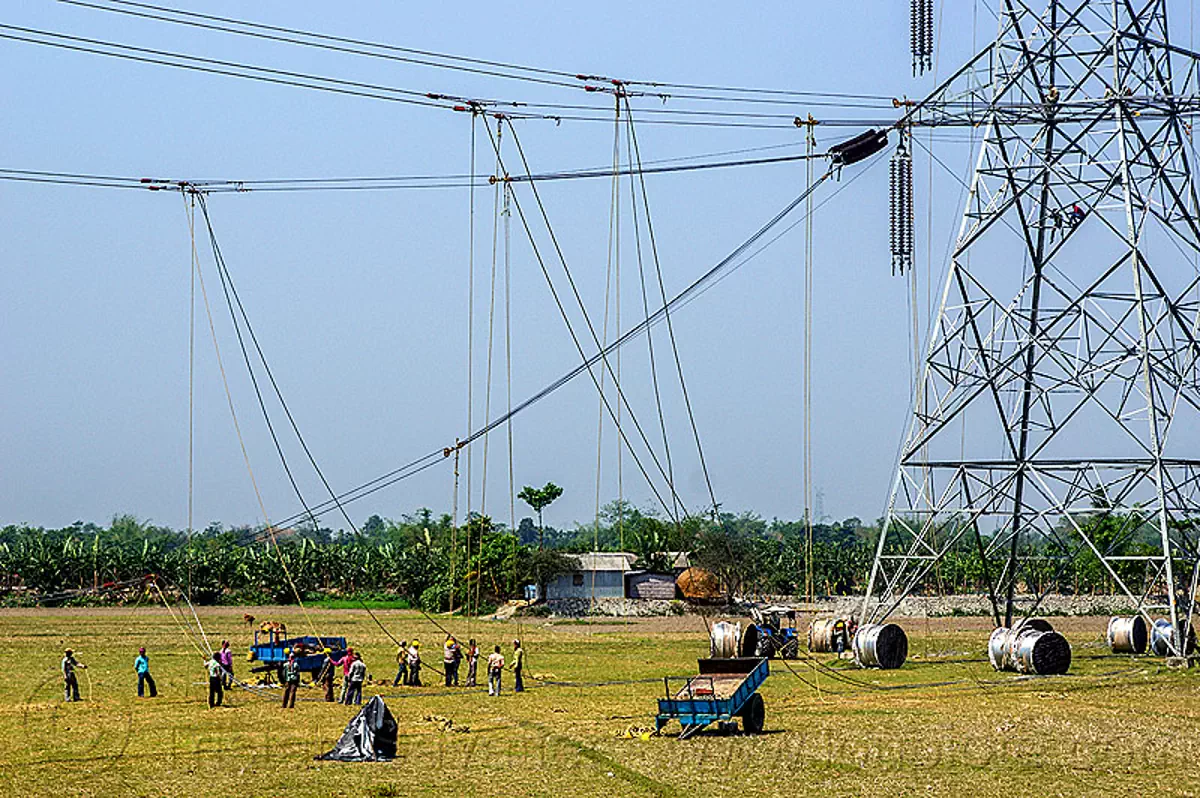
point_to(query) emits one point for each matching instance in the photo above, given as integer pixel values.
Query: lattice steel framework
(1061, 385)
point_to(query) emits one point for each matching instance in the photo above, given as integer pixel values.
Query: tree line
(426, 560)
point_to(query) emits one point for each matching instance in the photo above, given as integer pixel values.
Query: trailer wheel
(753, 715)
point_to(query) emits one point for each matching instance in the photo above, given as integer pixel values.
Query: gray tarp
(369, 737)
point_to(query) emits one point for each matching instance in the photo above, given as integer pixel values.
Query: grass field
(1114, 726)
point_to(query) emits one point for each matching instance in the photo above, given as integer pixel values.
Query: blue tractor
(776, 632)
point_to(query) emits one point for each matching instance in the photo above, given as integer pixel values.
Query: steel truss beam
(1062, 377)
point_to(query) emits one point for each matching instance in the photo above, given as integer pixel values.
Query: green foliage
(422, 560)
(539, 499)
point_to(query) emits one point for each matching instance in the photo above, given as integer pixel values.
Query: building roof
(605, 561)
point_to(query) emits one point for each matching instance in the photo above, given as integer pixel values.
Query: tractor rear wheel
(753, 715)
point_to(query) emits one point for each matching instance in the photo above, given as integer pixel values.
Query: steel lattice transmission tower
(1057, 412)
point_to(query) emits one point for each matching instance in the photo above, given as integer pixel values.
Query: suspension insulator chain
(921, 35)
(900, 217)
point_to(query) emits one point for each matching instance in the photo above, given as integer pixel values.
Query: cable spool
(728, 640)
(880, 646)
(1128, 635)
(999, 644)
(1163, 637)
(723, 639)
(1029, 649)
(822, 635)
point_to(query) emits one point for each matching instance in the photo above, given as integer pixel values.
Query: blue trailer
(272, 646)
(725, 689)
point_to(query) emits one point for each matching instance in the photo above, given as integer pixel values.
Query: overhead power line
(543, 111)
(745, 252)
(437, 60)
(416, 182)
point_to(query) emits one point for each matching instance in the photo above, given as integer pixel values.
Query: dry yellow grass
(1115, 726)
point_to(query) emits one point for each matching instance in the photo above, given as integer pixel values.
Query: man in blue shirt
(142, 666)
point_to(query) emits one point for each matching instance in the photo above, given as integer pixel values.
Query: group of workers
(219, 666)
(408, 664)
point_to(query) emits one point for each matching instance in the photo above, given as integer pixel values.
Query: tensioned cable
(637, 236)
(231, 291)
(470, 344)
(601, 348)
(220, 67)
(556, 112)
(369, 183)
(574, 112)
(226, 286)
(193, 19)
(541, 75)
(602, 353)
(440, 178)
(725, 266)
(687, 401)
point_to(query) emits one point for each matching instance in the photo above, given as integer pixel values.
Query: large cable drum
(728, 639)
(724, 637)
(1128, 634)
(1030, 650)
(822, 634)
(748, 647)
(1163, 636)
(880, 645)
(998, 645)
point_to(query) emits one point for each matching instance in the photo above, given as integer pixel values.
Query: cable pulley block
(862, 146)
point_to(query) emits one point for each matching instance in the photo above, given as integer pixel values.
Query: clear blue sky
(360, 298)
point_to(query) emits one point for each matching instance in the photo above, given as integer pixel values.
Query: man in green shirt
(518, 666)
(216, 678)
(291, 681)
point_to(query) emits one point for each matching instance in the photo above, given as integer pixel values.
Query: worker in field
(141, 666)
(495, 665)
(518, 665)
(472, 662)
(216, 681)
(325, 677)
(70, 680)
(291, 681)
(401, 664)
(451, 656)
(355, 679)
(839, 637)
(414, 664)
(225, 657)
(345, 662)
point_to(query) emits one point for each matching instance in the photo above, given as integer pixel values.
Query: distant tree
(727, 550)
(539, 499)
(527, 531)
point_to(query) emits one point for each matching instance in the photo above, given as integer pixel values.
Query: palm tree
(539, 499)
